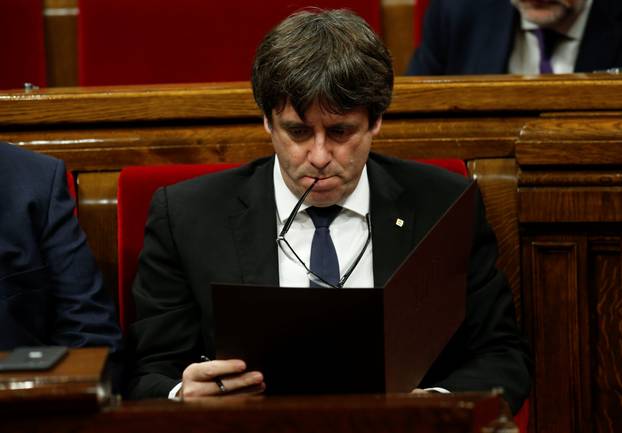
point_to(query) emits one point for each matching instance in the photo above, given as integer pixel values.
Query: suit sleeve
(430, 58)
(83, 312)
(166, 332)
(488, 350)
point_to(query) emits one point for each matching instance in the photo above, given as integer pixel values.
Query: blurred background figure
(519, 37)
(50, 288)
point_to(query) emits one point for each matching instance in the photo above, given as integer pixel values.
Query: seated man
(323, 81)
(519, 37)
(50, 288)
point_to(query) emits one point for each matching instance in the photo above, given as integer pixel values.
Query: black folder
(327, 341)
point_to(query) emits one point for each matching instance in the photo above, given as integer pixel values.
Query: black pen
(205, 358)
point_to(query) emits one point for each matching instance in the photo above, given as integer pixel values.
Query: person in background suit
(323, 80)
(51, 291)
(519, 37)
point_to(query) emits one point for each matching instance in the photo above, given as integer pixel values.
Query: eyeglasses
(289, 252)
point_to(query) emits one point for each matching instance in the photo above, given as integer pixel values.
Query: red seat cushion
(135, 188)
(22, 44)
(159, 41)
(418, 18)
(455, 165)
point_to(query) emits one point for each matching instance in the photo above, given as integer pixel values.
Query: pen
(205, 358)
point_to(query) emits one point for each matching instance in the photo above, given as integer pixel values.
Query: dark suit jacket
(477, 37)
(50, 289)
(222, 227)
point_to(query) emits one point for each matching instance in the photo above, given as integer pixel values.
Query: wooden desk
(547, 153)
(74, 385)
(337, 414)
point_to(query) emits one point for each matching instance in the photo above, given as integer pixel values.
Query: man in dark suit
(323, 81)
(519, 36)
(50, 289)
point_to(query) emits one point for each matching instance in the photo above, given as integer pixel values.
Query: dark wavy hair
(331, 56)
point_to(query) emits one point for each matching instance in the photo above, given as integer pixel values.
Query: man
(519, 37)
(50, 289)
(323, 81)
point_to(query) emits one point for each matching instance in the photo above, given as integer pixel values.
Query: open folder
(325, 340)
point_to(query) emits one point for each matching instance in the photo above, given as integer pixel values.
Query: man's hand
(202, 379)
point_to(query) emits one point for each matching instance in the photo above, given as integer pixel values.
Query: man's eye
(339, 133)
(298, 133)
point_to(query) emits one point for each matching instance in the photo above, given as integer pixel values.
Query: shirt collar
(576, 30)
(357, 201)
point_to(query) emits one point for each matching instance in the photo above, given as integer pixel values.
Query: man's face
(331, 147)
(549, 13)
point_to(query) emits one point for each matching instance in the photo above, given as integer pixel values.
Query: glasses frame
(280, 240)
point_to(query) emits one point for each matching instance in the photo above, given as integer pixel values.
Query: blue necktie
(324, 262)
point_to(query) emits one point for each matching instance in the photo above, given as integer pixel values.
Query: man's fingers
(208, 371)
(242, 381)
(218, 378)
(251, 382)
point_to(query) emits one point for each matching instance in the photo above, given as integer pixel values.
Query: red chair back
(159, 41)
(71, 186)
(135, 188)
(455, 165)
(521, 419)
(22, 43)
(419, 15)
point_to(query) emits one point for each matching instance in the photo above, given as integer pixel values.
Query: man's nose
(319, 154)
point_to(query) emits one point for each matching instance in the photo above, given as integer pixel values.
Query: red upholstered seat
(22, 44)
(136, 186)
(159, 41)
(451, 164)
(71, 186)
(419, 13)
(521, 419)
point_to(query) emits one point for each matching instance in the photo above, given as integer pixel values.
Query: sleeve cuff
(437, 389)
(172, 395)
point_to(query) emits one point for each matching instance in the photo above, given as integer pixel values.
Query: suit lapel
(391, 240)
(498, 39)
(602, 38)
(254, 228)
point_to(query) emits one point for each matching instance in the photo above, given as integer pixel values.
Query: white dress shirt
(348, 232)
(525, 57)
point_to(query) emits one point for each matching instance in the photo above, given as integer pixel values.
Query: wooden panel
(602, 178)
(552, 316)
(234, 100)
(497, 181)
(97, 212)
(571, 141)
(547, 92)
(61, 42)
(397, 31)
(579, 204)
(605, 283)
(243, 414)
(114, 148)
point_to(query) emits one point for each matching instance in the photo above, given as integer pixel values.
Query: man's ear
(267, 125)
(375, 129)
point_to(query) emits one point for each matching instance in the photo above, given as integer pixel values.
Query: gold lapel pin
(399, 222)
